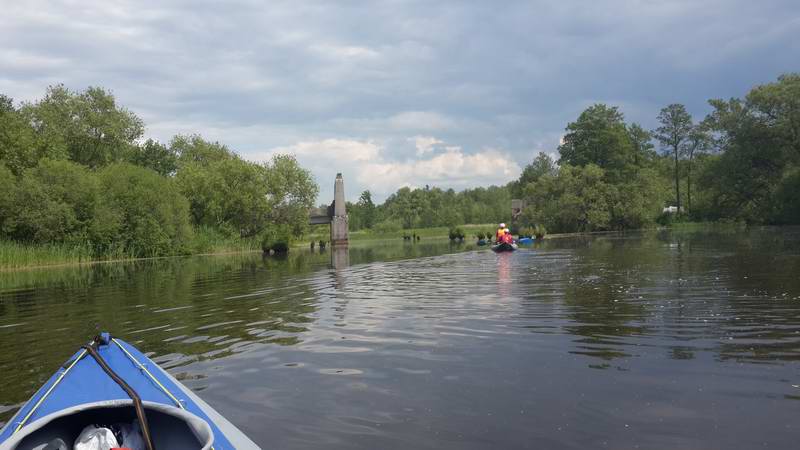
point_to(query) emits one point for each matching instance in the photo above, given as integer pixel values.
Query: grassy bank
(16, 255)
(322, 232)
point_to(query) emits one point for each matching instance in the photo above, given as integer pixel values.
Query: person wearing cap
(498, 236)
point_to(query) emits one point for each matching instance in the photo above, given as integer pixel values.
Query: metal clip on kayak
(91, 349)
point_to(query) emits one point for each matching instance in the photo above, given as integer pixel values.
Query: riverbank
(470, 230)
(17, 256)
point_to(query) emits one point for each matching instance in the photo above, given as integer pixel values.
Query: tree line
(430, 207)
(74, 170)
(739, 163)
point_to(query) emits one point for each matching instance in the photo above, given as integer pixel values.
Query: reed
(15, 255)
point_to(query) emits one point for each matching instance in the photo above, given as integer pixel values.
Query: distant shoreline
(427, 234)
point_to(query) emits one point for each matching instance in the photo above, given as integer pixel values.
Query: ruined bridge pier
(335, 215)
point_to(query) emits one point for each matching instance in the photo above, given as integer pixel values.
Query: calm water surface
(652, 341)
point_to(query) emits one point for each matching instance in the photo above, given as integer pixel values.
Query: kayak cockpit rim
(172, 427)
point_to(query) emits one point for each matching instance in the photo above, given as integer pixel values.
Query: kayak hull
(81, 388)
(504, 247)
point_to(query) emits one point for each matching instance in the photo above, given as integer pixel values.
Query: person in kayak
(498, 236)
(507, 238)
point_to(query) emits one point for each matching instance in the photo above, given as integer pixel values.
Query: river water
(655, 341)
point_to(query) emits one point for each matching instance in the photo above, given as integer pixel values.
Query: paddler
(498, 236)
(507, 237)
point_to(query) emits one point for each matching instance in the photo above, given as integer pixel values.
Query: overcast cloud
(395, 93)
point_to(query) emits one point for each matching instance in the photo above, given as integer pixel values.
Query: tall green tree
(643, 149)
(698, 141)
(676, 126)
(599, 137)
(87, 127)
(542, 165)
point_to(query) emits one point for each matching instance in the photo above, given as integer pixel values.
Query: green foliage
(542, 165)
(87, 127)
(480, 235)
(388, 226)
(14, 255)
(539, 231)
(56, 201)
(148, 212)
(435, 207)
(276, 238)
(17, 139)
(364, 213)
(753, 178)
(600, 137)
(291, 192)
(455, 233)
(155, 156)
(74, 176)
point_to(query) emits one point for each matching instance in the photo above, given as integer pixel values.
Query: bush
(276, 238)
(57, 201)
(539, 231)
(480, 235)
(455, 233)
(153, 216)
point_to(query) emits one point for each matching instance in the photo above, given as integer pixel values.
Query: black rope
(137, 401)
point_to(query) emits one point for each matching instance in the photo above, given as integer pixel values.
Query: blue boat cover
(86, 382)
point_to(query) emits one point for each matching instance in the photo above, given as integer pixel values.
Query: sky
(455, 94)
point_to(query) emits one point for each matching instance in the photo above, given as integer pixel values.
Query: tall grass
(16, 255)
(208, 240)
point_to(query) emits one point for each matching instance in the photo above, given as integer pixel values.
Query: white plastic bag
(96, 438)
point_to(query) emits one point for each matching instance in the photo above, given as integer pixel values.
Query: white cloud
(366, 165)
(425, 144)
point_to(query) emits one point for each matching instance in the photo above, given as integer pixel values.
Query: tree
(87, 127)
(758, 152)
(697, 141)
(542, 165)
(576, 199)
(291, 192)
(195, 149)
(643, 149)
(57, 201)
(367, 209)
(152, 214)
(676, 126)
(17, 139)
(155, 156)
(599, 137)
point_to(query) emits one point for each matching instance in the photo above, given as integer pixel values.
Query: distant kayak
(525, 240)
(504, 247)
(109, 385)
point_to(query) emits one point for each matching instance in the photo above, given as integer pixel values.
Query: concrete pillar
(339, 230)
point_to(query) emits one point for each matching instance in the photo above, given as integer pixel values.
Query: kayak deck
(81, 391)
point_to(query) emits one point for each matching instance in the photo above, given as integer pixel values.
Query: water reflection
(428, 345)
